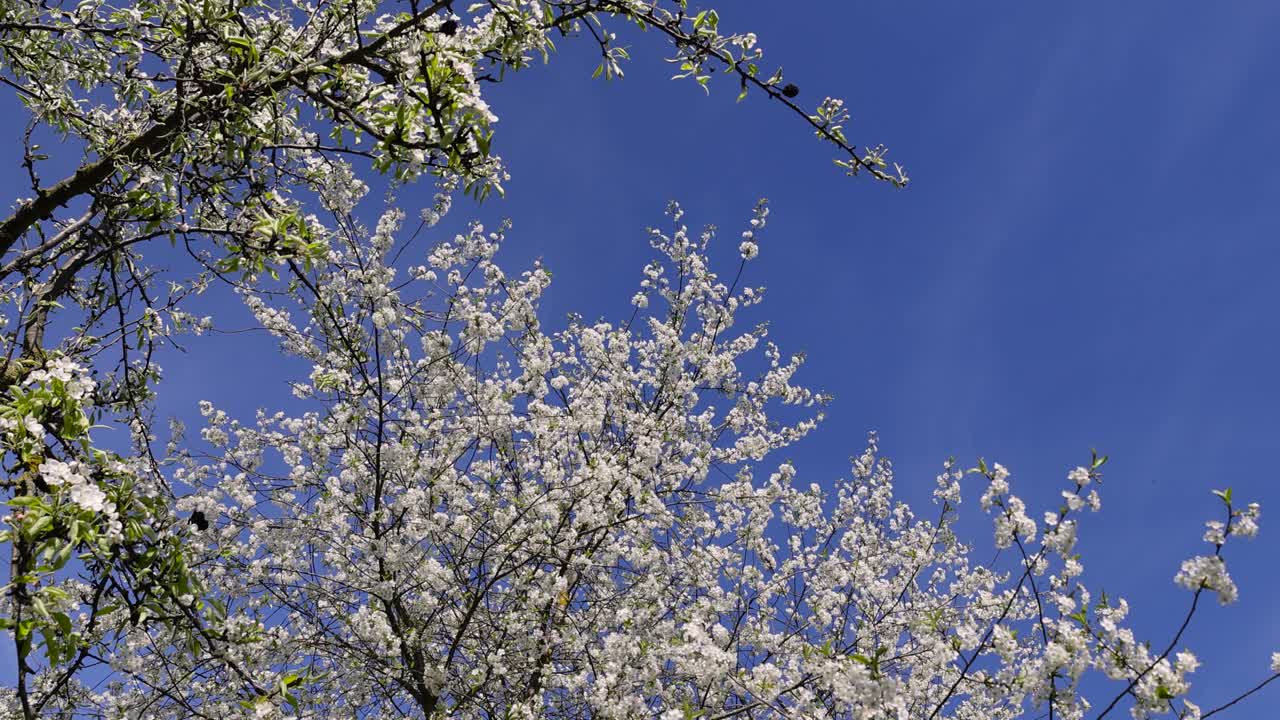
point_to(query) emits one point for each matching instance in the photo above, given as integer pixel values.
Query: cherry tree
(476, 515)
(484, 518)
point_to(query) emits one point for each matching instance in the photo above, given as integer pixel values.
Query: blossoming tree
(474, 515)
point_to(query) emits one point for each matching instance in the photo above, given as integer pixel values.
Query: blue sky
(1085, 257)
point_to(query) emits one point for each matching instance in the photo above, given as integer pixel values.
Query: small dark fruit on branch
(199, 520)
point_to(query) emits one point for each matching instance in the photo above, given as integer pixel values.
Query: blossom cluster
(482, 515)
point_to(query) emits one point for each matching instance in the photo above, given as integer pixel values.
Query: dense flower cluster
(481, 517)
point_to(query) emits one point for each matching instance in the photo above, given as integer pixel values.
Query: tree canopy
(476, 515)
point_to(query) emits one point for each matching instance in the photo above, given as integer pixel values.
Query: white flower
(749, 249)
(1095, 501)
(383, 317)
(1275, 662)
(1214, 532)
(89, 496)
(1246, 522)
(57, 473)
(84, 491)
(1074, 501)
(1186, 662)
(33, 426)
(1079, 476)
(1208, 571)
